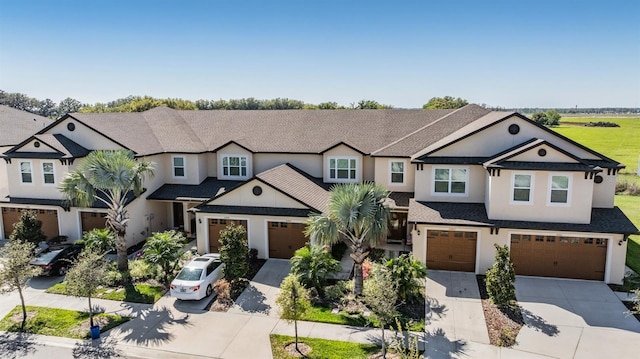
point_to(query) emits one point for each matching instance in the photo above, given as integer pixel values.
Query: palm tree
(109, 177)
(357, 212)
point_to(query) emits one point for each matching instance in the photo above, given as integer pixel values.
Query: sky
(516, 53)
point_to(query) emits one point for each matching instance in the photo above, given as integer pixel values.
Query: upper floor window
(178, 167)
(47, 173)
(397, 172)
(522, 184)
(25, 172)
(234, 166)
(343, 168)
(559, 188)
(450, 180)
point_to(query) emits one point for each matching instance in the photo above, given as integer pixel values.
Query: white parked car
(195, 280)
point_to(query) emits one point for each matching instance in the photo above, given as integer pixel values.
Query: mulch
(503, 325)
(223, 306)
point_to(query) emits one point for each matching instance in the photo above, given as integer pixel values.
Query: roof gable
(47, 146)
(17, 125)
(83, 134)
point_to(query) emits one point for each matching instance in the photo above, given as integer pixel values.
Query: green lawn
(322, 314)
(618, 143)
(630, 205)
(138, 293)
(57, 322)
(321, 348)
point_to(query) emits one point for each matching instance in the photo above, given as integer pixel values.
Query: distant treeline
(574, 110)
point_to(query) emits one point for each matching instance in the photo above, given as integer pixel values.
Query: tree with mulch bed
(16, 271)
(497, 290)
(380, 295)
(85, 276)
(293, 301)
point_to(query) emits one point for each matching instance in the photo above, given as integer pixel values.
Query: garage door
(564, 257)
(451, 250)
(48, 217)
(91, 220)
(285, 238)
(215, 226)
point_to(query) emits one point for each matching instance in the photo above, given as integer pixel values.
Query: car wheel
(63, 271)
(209, 290)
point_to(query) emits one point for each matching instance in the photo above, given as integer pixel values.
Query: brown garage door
(285, 238)
(215, 226)
(451, 250)
(91, 220)
(48, 217)
(553, 256)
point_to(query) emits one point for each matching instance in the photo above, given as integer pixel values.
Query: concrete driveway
(567, 318)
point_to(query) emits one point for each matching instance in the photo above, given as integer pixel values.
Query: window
(235, 166)
(25, 172)
(178, 167)
(521, 188)
(397, 172)
(47, 173)
(343, 168)
(559, 189)
(450, 180)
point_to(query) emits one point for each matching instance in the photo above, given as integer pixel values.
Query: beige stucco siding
(424, 186)
(202, 167)
(84, 136)
(383, 174)
(192, 168)
(551, 155)
(234, 150)
(604, 193)
(497, 138)
(578, 209)
(257, 230)
(212, 164)
(342, 151)
(368, 168)
(41, 148)
(243, 196)
(309, 163)
(4, 179)
(37, 188)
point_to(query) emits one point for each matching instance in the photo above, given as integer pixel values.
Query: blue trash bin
(95, 332)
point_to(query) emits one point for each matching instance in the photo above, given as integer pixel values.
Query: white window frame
(52, 173)
(404, 172)
(569, 185)
(21, 172)
(228, 166)
(512, 188)
(173, 167)
(449, 193)
(349, 169)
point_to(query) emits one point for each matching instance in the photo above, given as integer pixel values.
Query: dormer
(342, 163)
(234, 162)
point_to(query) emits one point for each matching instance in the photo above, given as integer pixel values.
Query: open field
(618, 143)
(630, 205)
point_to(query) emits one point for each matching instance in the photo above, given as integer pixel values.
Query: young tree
(293, 301)
(406, 271)
(501, 278)
(234, 252)
(165, 249)
(313, 264)
(540, 118)
(553, 118)
(111, 177)
(100, 240)
(15, 271)
(29, 229)
(85, 276)
(380, 295)
(357, 212)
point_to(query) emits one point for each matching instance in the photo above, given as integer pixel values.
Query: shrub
(376, 255)
(312, 264)
(601, 124)
(165, 250)
(234, 252)
(406, 271)
(141, 270)
(337, 291)
(28, 229)
(99, 240)
(223, 290)
(253, 255)
(366, 268)
(628, 188)
(501, 278)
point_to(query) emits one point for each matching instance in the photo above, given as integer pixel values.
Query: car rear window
(46, 257)
(190, 274)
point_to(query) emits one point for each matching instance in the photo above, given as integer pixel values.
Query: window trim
(30, 172)
(513, 187)
(404, 172)
(230, 176)
(449, 193)
(53, 173)
(569, 185)
(343, 180)
(173, 167)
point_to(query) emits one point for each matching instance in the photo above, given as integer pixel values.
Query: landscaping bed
(503, 325)
(321, 348)
(135, 293)
(222, 306)
(58, 322)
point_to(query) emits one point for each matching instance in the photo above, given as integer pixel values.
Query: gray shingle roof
(264, 211)
(17, 125)
(603, 220)
(298, 185)
(208, 189)
(280, 131)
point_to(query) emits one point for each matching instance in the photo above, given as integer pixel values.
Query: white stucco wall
(36, 189)
(84, 136)
(243, 196)
(604, 193)
(424, 190)
(383, 174)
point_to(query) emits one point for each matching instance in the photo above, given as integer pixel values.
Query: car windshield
(47, 257)
(190, 274)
